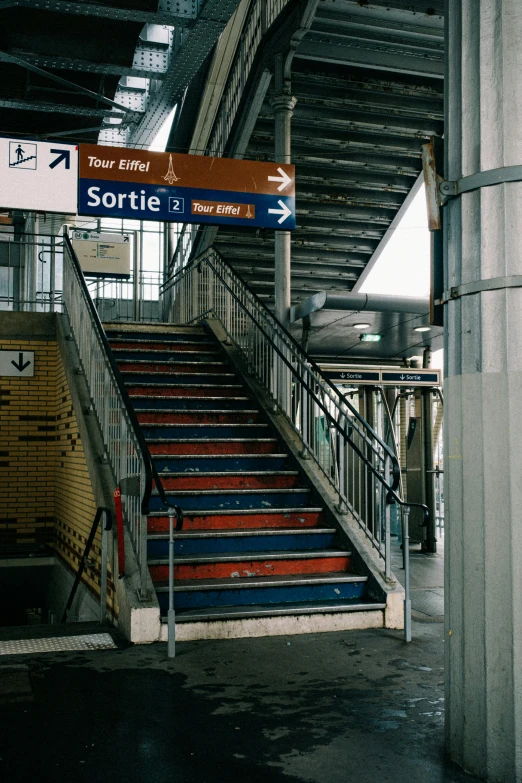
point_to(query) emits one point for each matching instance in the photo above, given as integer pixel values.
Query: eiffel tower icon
(170, 176)
(249, 213)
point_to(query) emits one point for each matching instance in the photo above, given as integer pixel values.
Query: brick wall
(47, 496)
(28, 448)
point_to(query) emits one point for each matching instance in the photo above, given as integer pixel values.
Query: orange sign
(223, 209)
(120, 164)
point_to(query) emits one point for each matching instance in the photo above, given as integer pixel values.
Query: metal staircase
(255, 541)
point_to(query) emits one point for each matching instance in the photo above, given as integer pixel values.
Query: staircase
(255, 555)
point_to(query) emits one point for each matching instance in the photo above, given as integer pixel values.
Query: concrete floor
(327, 708)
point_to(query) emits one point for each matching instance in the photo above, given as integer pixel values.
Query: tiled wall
(47, 496)
(28, 447)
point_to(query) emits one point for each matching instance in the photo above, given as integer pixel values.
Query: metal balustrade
(125, 450)
(361, 468)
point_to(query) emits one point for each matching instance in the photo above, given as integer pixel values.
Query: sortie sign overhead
(128, 183)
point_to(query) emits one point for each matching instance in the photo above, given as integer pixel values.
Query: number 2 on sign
(176, 204)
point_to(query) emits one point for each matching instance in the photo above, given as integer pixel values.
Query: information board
(129, 183)
(101, 254)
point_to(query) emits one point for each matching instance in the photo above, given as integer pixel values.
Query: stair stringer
(139, 621)
(365, 558)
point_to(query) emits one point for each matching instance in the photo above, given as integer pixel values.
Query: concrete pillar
(283, 106)
(483, 407)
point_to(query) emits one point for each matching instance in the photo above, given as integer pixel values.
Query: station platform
(326, 708)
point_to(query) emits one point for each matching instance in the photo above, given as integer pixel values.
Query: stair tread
(170, 362)
(188, 385)
(195, 585)
(216, 456)
(247, 425)
(227, 474)
(239, 511)
(239, 557)
(272, 610)
(254, 532)
(208, 442)
(265, 491)
(196, 411)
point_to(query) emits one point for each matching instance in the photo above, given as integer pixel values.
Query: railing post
(103, 568)
(407, 601)
(387, 521)
(171, 616)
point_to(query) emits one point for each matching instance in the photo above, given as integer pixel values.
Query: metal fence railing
(125, 451)
(361, 468)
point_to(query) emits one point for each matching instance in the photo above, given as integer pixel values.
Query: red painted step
(199, 417)
(174, 347)
(230, 481)
(251, 568)
(182, 391)
(243, 521)
(174, 368)
(216, 447)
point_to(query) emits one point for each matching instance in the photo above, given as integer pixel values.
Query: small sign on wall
(17, 364)
(101, 254)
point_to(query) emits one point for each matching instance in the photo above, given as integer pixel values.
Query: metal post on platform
(283, 106)
(171, 616)
(407, 600)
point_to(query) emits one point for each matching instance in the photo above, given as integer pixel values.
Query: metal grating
(95, 641)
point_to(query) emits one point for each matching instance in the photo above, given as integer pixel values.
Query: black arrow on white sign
(20, 366)
(64, 155)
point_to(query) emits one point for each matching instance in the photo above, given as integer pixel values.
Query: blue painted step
(158, 546)
(266, 590)
(220, 463)
(200, 355)
(237, 499)
(204, 431)
(238, 402)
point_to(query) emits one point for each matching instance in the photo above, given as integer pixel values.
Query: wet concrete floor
(326, 708)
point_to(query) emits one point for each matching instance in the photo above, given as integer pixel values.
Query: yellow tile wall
(46, 489)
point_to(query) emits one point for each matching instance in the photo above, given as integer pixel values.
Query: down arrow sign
(20, 366)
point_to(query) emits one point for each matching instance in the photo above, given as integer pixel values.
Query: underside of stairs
(258, 553)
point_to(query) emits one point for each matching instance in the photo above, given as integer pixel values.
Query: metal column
(483, 410)
(283, 106)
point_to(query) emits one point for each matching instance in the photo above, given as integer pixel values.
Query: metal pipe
(407, 600)
(171, 616)
(374, 303)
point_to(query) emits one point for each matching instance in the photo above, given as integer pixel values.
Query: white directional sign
(17, 364)
(38, 176)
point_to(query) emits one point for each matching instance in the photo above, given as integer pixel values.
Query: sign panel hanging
(387, 376)
(103, 255)
(38, 176)
(128, 183)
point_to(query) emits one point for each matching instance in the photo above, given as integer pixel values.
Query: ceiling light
(422, 329)
(415, 358)
(370, 338)
(361, 326)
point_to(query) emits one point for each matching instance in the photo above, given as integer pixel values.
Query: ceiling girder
(54, 108)
(180, 12)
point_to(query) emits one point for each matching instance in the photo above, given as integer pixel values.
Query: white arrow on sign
(284, 179)
(284, 211)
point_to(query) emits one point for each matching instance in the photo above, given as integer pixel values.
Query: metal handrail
(125, 448)
(362, 468)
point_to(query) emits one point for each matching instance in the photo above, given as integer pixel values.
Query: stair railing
(361, 468)
(126, 451)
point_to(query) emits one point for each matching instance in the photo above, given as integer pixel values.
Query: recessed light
(370, 338)
(415, 358)
(361, 326)
(422, 329)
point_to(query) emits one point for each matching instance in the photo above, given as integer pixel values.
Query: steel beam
(321, 47)
(86, 66)
(178, 12)
(187, 61)
(96, 96)
(54, 108)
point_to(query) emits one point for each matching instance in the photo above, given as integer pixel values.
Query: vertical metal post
(387, 522)
(103, 567)
(407, 600)
(136, 268)
(283, 106)
(171, 616)
(52, 274)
